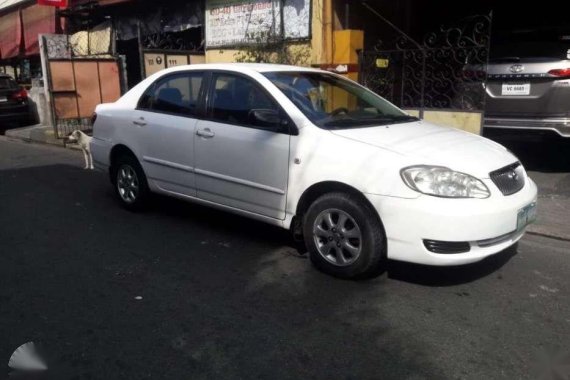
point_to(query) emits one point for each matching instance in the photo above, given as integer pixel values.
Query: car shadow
(267, 234)
(450, 275)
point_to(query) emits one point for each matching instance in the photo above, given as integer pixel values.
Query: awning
(10, 35)
(37, 20)
(5, 4)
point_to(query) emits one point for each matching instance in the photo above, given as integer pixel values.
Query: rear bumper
(16, 113)
(561, 126)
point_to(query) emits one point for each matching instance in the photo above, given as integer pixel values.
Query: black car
(15, 106)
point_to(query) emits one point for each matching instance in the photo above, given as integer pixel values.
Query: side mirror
(267, 119)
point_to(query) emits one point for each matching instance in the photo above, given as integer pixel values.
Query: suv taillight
(561, 73)
(20, 95)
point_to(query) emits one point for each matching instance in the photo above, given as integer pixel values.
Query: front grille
(509, 179)
(448, 247)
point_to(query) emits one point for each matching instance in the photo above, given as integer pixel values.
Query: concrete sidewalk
(36, 133)
(553, 219)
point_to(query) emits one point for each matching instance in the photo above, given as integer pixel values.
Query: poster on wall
(297, 19)
(239, 22)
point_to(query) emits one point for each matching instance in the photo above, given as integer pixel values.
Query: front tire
(344, 237)
(130, 183)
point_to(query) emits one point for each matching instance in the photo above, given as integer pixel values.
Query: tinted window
(7, 83)
(177, 94)
(235, 98)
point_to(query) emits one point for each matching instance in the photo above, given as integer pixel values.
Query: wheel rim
(337, 237)
(127, 183)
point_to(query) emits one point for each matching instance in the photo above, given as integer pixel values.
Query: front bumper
(488, 225)
(561, 126)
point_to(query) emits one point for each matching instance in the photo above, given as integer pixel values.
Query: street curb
(31, 135)
(536, 230)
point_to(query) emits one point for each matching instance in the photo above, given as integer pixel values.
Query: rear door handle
(206, 133)
(140, 122)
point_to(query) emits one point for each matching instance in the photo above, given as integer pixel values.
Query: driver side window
(235, 98)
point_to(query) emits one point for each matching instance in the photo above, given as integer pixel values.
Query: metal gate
(77, 86)
(445, 71)
(81, 72)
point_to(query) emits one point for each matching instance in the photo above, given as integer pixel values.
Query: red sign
(53, 3)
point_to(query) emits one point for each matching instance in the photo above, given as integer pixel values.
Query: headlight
(443, 182)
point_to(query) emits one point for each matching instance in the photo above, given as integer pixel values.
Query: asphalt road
(225, 297)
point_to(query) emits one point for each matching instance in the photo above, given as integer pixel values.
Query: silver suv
(530, 91)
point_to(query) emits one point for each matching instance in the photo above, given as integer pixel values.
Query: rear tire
(345, 237)
(130, 183)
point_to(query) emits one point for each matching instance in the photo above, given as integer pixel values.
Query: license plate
(526, 216)
(518, 89)
(3, 99)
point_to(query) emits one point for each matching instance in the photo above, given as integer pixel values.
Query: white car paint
(261, 174)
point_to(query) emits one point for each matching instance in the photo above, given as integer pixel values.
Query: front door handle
(206, 133)
(140, 122)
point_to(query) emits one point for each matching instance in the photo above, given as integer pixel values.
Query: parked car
(316, 153)
(528, 83)
(14, 104)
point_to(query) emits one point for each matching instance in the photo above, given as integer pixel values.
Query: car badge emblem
(516, 68)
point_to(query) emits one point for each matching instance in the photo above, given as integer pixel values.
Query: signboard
(238, 22)
(158, 60)
(176, 60)
(53, 3)
(153, 63)
(297, 18)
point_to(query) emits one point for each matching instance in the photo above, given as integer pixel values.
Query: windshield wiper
(378, 120)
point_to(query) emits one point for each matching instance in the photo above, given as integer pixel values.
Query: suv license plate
(519, 89)
(526, 216)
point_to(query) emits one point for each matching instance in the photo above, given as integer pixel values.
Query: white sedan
(354, 176)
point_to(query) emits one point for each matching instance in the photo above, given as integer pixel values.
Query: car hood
(429, 144)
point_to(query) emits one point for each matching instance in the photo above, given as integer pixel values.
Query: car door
(168, 113)
(242, 161)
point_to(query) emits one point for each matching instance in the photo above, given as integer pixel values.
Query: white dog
(83, 141)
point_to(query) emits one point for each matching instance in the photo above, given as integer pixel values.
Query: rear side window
(176, 94)
(7, 83)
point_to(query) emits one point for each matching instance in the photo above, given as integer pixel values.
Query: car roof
(244, 67)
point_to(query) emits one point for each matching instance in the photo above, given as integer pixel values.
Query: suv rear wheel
(344, 237)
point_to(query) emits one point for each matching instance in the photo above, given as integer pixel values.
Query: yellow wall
(466, 121)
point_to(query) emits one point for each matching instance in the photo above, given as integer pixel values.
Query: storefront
(21, 21)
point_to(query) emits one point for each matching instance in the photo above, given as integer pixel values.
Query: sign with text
(153, 63)
(156, 61)
(238, 22)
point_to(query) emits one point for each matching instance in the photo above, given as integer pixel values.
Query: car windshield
(7, 83)
(332, 102)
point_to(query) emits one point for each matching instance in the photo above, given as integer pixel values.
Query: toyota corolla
(358, 179)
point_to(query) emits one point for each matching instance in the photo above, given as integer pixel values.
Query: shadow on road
(180, 291)
(449, 276)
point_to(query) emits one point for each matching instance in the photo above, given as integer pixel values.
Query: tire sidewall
(143, 186)
(373, 252)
